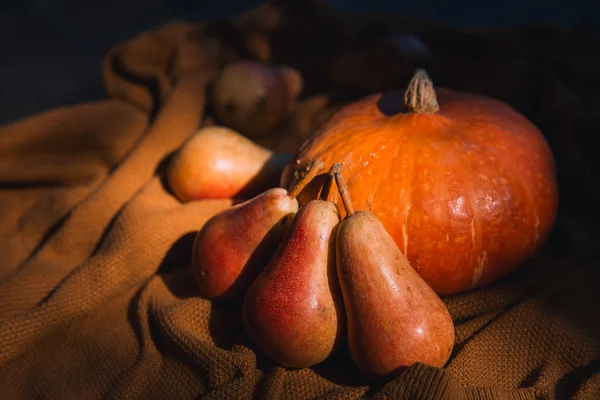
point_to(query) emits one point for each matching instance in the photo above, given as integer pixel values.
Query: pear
(254, 97)
(234, 246)
(394, 318)
(294, 311)
(217, 163)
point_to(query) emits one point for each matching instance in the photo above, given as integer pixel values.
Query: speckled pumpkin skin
(467, 193)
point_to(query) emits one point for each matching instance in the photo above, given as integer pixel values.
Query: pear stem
(315, 167)
(420, 95)
(326, 190)
(343, 188)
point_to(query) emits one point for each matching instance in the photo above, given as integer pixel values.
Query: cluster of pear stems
(315, 167)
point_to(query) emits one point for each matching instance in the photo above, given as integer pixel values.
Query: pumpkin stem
(313, 170)
(420, 95)
(343, 188)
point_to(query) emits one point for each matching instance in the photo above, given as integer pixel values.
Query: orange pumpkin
(464, 184)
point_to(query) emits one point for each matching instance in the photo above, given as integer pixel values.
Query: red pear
(254, 97)
(234, 246)
(394, 318)
(218, 162)
(294, 311)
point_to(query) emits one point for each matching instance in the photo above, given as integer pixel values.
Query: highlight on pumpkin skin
(420, 95)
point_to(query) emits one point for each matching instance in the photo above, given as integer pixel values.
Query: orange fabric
(96, 296)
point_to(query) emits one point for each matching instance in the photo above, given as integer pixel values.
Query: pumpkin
(463, 183)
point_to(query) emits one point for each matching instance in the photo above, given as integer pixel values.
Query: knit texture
(96, 295)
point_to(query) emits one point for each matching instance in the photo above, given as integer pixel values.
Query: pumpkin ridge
(508, 166)
(379, 180)
(530, 200)
(418, 141)
(441, 120)
(477, 251)
(410, 192)
(334, 143)
(400, 139)
(513, 172)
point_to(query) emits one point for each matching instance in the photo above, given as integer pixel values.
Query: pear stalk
(315, 168)
(326, 190)
(343, 189)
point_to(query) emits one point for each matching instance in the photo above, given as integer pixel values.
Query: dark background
(51, 50)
